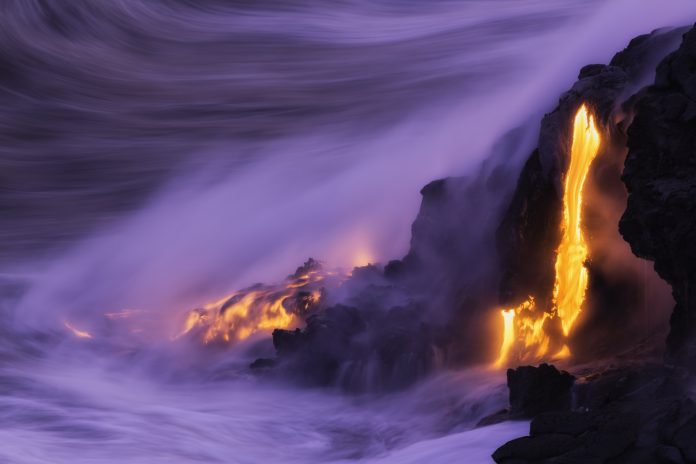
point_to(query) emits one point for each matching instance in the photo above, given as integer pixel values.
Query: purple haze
(160, 154)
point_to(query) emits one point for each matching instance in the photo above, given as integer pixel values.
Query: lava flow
(261, 308)
(527, 331)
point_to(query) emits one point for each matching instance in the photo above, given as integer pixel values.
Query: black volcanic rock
(434, 305)
(531, 222)
(263, 363)
(660, 174)
(534, 390)
(450, 268)
(529, 226)
(318, 351)
(636, 414)
(529, 232)
(358, 350)
(535, 449)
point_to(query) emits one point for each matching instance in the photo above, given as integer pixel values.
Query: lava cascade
(527, 332)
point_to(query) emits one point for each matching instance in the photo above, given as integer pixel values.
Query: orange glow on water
(525, 332)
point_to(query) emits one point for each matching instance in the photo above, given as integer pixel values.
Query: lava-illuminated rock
(532, 233)
(660, 174)
(538, 389)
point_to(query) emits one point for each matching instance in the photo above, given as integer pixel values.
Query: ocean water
(158, 154)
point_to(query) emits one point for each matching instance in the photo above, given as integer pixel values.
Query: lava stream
(526, 329)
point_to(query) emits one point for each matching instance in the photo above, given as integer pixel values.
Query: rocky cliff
(640, 412)
(660, 174)
(530, 231)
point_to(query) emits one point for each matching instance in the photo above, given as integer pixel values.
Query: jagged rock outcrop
(660, 174)
(396, 324)
(380, 339)
(452, 236)
(635, 414)
(534, 390)
(638, 413)
(530, 230)
(359, 350)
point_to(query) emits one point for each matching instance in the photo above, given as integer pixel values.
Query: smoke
(157, 155)
(238, 204)
(240, 207)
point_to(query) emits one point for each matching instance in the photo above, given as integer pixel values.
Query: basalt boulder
(358, 350)
(538, 389)
(635, 414)
(660, 174)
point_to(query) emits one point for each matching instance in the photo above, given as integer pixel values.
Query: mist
(160, 155)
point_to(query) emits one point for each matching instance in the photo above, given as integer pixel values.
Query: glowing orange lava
(260, 308)
(571, 273)
(525, 330)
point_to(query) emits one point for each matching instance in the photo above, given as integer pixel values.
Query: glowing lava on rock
(262, 308)
(571, 273)
(526, 329)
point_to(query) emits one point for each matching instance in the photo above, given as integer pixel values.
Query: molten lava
(526, 328)
(508, 336)
(261, 308)
(571, 273)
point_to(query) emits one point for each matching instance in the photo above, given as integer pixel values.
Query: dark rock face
(452, 238)
(660, 174)
(378, 338)
(530, 230)
(635, 414)
(643, 53)
(451, 267)
(529, 233)
(534, 390)
(525, 449)
(392, 326)
(359, 350)
(531, 222)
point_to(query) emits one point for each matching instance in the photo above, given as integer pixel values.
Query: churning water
(158, 154)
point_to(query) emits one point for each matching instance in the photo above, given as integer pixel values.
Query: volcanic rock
(535, 448)
(530, 230)
(534, 390)
(358, 350)
(319, 350)
(263, 363)
(529, 233)
(635, 414)
(660, 175)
